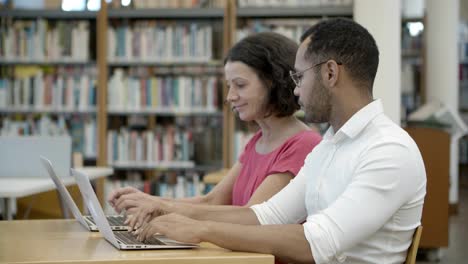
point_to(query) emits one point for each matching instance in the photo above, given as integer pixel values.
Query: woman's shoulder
(302, 141)
(305, 136)
(254, 138)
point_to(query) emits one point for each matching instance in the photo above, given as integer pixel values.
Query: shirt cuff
(259, 210)
(321, 243)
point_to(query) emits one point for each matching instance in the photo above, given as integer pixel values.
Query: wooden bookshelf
(295, 12)
(167, 13)
(203, 67)
(145, 63)
(161, 111)
(226, 20)
(47, 110)
(47, 14)
(45, 63)
(37, 66)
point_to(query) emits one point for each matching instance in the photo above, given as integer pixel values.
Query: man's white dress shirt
(360, 192)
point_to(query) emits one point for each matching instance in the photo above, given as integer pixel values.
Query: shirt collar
(357, 122)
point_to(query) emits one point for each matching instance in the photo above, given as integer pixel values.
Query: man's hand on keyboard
(173, 226)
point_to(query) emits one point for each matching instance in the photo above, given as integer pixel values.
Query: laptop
(120, 240)
(116, 221)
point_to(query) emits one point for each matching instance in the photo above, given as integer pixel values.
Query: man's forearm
(286, 242)
(219, 213)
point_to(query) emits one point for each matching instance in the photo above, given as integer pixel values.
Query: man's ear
(332, 73)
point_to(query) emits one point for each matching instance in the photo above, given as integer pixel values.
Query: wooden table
(12, 188)
(66, 241)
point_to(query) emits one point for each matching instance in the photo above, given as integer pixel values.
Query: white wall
(383, 20)
(442, 83)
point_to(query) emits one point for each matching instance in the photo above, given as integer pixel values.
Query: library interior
(138, 98)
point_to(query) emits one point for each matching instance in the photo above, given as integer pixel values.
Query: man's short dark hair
(345, 41)
(271, 56)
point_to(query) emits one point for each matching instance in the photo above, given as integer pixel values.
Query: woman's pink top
(288, 157)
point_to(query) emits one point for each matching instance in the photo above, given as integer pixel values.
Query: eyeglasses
(297, 76)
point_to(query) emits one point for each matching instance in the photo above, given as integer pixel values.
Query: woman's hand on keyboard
(115, 198)
(144, 210)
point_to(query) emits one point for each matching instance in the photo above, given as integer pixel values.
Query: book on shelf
(159, 41)
(45, 41)
(291, 28)
(168, 185)
(143, 4)
(293, 3)
(81, 129)
(163, 93)
(163, 145)
(44, 88)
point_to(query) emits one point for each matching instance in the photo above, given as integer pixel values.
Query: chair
(413, 249)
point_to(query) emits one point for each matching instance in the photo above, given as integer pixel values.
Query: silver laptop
(120, 240)
(116, 221)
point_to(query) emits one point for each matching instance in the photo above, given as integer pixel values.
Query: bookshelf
(167, 13)
(56, 14)
(48, 75)
(138, 67)
(296, 12)
(168, 92)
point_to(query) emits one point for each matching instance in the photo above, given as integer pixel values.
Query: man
(358, 197)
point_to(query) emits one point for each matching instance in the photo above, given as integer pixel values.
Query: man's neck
(344, 107)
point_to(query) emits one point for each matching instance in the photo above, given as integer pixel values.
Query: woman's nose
(232, 95)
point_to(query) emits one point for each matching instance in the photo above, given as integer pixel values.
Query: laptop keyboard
(117, 220)
(130, 239)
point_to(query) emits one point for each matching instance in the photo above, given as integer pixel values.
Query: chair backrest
(413, 249)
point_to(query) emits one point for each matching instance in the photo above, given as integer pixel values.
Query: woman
(261, 91)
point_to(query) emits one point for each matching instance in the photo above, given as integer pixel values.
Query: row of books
(140, 4)
(160, 41)
(162, 92)
(83, 130)
(169, 185)
(44, 88)
(291, 28)
(293, 3)
(163, 144)
(44, 40)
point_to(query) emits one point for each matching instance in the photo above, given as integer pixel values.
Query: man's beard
(319, 109)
